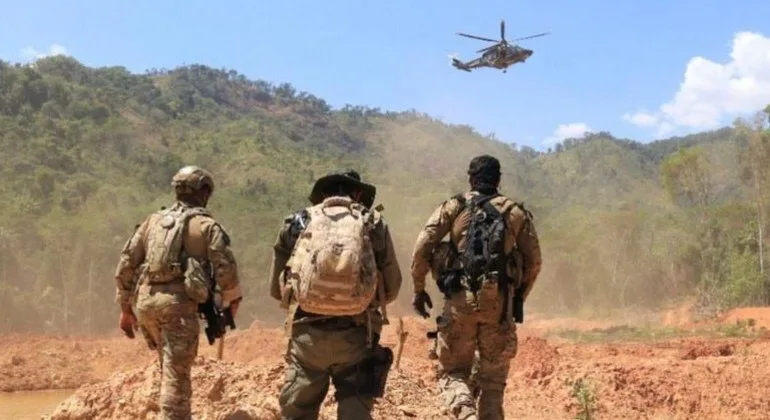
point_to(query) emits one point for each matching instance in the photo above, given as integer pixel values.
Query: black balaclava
(484, 173)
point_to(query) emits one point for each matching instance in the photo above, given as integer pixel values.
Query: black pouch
(378, 364)
(450, 282)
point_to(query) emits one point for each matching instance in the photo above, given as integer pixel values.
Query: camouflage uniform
(167, 316)
(469, 322)
(324, 348)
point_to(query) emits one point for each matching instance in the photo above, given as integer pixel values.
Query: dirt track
(692, 377)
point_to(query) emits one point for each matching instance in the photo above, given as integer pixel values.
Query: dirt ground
(644, 373)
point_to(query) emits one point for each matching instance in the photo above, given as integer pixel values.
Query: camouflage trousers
(319, 353)
(470, 331)
(169, 322)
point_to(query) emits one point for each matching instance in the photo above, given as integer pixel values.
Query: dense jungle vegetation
(88, 152)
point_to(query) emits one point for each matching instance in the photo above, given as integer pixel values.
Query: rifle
(518, 306)
(217, 320)
(513, 308)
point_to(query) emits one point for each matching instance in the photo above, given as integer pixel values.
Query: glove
(128, 323)
(419, 301)
(234, 306)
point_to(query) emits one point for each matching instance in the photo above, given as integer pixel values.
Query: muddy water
(28, 405)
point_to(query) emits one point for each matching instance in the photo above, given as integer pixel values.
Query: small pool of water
(30, 405)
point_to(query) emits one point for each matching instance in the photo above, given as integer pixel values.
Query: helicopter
(499, 56)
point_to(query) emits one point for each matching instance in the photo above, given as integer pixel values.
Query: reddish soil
(693, 378)
(756, 317)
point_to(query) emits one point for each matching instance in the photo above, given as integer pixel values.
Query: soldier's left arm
(528, 244)
(387, 263)
(222, 261)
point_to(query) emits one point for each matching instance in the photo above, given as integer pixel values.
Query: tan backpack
(332, 271)
(165, 260)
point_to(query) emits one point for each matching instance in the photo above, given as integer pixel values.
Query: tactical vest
(165, 257)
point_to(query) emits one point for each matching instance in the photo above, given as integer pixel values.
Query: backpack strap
(482, 199)
(487, 206)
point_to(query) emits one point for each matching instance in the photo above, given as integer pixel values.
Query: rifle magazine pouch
(196, 282)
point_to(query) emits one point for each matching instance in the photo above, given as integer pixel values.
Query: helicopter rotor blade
(487, 48)
(477, 37)
(531, 36)
(502, 30)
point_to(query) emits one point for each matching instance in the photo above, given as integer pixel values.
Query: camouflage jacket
(450, 218)
(204, 240)
(384, 255)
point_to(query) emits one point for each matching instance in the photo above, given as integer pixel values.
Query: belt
(332, 323)
(161, 276)
(163, 287)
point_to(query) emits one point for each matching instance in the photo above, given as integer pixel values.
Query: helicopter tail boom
(460, 65)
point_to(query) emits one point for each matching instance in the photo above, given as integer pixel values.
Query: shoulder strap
(490, 209)
(480, 199)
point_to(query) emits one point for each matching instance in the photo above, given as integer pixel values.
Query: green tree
(755, 173)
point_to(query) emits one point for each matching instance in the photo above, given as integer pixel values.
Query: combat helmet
(191, 179)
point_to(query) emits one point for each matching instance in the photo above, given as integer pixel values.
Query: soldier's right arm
(222, 261)
(437, 226)
(131, 257)
(281, 252)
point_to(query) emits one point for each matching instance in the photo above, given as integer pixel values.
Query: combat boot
(490, 404)
(467, 413)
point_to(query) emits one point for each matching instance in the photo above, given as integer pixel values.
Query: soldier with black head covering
(491, 255)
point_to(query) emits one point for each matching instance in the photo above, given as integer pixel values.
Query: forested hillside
(88, 152)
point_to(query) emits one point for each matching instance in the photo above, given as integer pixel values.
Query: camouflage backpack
(332, 270)
(166, 260)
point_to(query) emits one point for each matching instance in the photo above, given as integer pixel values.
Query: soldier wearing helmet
(193, 185)
(164, 270)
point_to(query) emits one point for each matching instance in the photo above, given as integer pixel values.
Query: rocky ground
(714, 371)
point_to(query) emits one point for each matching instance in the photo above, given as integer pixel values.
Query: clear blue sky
(603, 59)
